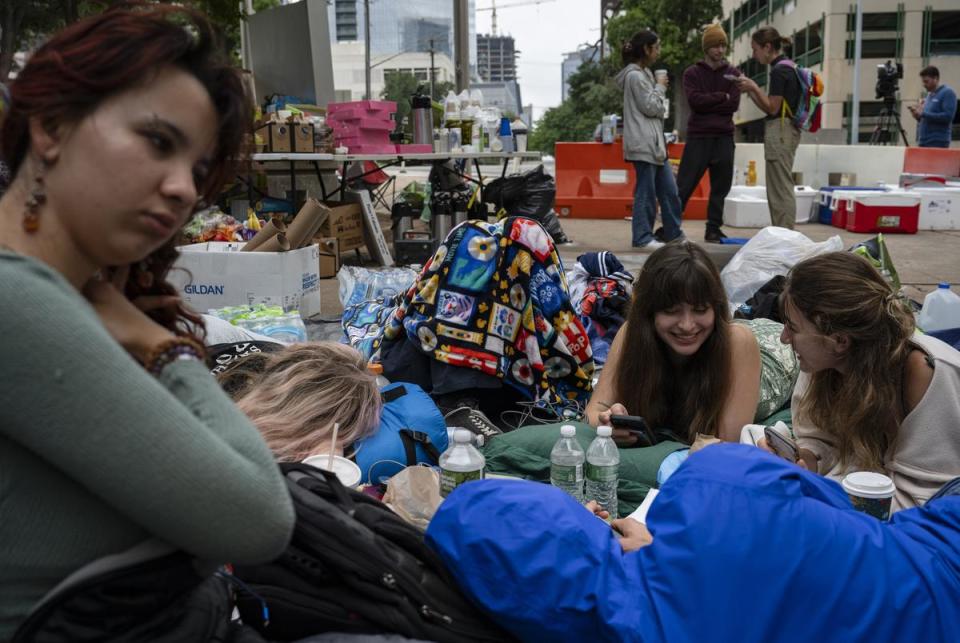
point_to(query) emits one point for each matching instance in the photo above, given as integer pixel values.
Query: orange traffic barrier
(594, 182)
(931, 160)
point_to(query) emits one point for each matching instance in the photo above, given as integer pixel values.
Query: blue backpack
(412, 430)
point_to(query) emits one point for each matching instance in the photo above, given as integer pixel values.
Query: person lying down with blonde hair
(295, 395)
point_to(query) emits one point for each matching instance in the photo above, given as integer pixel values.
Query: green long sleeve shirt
(97, 455)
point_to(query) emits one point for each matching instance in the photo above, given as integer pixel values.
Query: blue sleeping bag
(747, 547)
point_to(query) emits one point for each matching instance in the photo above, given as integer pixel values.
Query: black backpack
(148, 593)
(354, 566)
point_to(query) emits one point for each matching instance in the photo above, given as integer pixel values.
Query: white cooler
(939, 208)
(746, 206)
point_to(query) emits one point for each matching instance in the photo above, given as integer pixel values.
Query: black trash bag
(530, 194)
(551, 223)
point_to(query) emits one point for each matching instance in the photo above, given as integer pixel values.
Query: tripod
(888, 124)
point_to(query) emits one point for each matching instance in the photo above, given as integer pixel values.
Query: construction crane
(493, 9)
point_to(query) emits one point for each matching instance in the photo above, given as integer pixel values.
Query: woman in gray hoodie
(644, 144)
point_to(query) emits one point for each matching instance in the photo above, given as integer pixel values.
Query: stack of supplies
(363, 127)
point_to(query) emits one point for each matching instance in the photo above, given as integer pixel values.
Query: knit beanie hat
(714, 35)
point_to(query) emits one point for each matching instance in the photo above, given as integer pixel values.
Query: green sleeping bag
(525, 453)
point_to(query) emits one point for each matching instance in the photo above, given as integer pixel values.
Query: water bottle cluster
(587, 476)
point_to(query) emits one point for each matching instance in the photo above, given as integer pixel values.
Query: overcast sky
(543, 33)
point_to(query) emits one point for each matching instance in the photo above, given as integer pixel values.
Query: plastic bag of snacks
(212, 225)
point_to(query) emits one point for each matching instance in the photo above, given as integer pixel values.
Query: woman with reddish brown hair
(112, 431)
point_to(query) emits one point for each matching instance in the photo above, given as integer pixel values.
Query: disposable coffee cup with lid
(347, 472)
(660, 73)
(871, 493)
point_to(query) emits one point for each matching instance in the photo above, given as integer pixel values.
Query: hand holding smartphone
(634, 424)
(782, 445)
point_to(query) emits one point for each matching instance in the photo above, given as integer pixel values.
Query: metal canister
(401, 216)
(442, 216)
(459, 205)
(422, 118)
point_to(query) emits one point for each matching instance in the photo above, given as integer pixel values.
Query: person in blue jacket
(745, 547)
(936, 112)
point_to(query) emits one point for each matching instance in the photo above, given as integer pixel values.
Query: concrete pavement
(922, 260)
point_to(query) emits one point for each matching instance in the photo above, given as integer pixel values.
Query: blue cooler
(825, 214)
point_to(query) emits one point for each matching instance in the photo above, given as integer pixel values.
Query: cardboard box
(329, 256)
(346, 224)
(302, 137)
(217, 274)
(279, 138)
(841, 179)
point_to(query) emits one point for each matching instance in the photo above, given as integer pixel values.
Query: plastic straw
(333, 444)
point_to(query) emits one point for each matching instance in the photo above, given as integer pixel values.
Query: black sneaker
(714, 236)
(473, 420)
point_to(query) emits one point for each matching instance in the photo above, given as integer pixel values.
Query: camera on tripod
(887, 76)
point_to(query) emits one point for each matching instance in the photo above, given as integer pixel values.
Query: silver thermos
(422, 117)
(460, 213)
(402, 215)
(442, 216)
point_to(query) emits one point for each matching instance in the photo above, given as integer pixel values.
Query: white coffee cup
(347, 472)
(660, 74)
(871, 493)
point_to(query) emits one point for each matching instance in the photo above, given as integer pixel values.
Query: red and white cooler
(840, 206)
(883, 213)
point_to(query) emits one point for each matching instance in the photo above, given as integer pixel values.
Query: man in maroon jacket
(713, 98)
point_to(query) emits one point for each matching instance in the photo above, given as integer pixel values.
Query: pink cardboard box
(372, 149)
(375, 105)
(351, 141)
(414, 149)
(364, 123)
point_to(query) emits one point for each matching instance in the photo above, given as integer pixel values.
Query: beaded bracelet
(170, 351)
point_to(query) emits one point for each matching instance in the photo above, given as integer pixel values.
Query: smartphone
(634, 424)
(731, 77)
(782, 446)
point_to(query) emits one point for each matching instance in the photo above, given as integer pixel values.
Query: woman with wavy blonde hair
(872, 394)
(294, 397)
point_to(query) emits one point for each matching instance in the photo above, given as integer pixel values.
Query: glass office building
(401, 26)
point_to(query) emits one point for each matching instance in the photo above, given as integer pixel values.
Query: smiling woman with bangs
(681, 363)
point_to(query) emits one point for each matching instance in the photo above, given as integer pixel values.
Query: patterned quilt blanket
(493, 298)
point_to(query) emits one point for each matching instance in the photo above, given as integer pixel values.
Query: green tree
(20, 22)
(24, 21)
(593, 91)
(677, 22)
(399, 86)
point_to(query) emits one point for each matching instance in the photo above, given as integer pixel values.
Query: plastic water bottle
(566, 463)
(941, 309)
(603, 469)
(460, 463)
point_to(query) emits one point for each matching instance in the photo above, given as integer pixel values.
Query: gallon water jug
(941, 310)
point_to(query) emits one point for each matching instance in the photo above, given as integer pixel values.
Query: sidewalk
(922, 260)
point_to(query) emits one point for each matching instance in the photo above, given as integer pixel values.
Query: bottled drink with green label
(460, 463)
(566, 463)
(603, 470)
